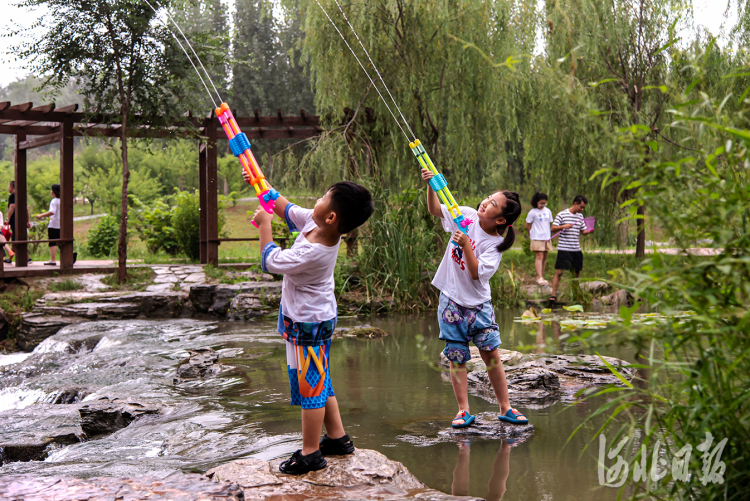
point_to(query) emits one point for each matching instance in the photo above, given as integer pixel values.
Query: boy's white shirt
(453, 277)
(54, 219)
(307, 292)
(540, 220)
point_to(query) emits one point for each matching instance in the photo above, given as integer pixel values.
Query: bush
(186, 223)
(154, 225)
(102, 239)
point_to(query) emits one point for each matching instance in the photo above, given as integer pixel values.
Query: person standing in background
(538, 223)
(53, 229)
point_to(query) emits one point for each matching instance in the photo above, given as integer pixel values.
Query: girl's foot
(541, 281)
(513, 416)
(462, 420)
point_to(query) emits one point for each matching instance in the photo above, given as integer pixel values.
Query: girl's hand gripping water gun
(440, 186)
(240, 146)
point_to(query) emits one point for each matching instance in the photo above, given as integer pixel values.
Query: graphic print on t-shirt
(458, 254)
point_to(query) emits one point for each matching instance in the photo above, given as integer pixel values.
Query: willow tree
(454, 103)
(126, 63)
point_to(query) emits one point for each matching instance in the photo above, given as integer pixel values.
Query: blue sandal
(512, 417)
(468, 419)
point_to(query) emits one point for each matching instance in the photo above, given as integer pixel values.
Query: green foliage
(696, 376)
(398, 243)
(186, 223)
(102, 238)
(154, 226)
(65, 285)
(15, 302)
(505, 286)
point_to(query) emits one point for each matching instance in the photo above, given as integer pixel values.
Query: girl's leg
(460, 387)
(538, 264)
(496, 373)
(460, 486)
(544, 262)
(52, 253)
(332, 420)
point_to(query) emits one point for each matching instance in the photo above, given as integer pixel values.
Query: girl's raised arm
(433, 202)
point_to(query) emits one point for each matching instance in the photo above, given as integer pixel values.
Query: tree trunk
(92, 207)
(122, 243)
(226, 187)
(640, 242)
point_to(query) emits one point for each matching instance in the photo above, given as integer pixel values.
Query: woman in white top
(538, 223)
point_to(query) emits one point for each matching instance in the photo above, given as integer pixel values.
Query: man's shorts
(569, 260)
(53, 234)
(309, 374)
(541, 245)
(459, 325)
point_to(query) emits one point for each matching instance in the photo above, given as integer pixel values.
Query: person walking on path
(569, 255)
(538, 223)
(53, 229)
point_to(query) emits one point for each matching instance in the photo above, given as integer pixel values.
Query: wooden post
(212, 194)
(66, 193)
(202, 197)
(21, 214)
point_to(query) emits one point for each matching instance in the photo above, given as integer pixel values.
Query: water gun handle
(267, 200)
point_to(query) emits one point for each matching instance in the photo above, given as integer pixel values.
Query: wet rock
(180, 487)
(366, 474)
(595, 287)
(107, 416)
(66, 396)
(93, 310)
(202, 297)
(617, 298)
(202, 363)
(539, 380)
(486, 426)
(258, 298)
(28, 434)
(536, 291)
(36, 327)
(365, 331)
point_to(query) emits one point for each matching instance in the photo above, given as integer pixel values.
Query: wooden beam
(71, 108)
(202, 202)
(278, 114)
(21, 213)
(212, 193)
(4, 105)
(39, 141)
(21, 108)
(66, 194)
(32, 130)
(44, 108)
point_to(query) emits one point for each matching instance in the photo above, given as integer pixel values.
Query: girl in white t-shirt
(538, 223)
(465, 311)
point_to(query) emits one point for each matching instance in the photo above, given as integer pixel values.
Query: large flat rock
(540, 380)
(256, 297)
(183, 487)
(486, 426)
(36, 327)
(366, 474)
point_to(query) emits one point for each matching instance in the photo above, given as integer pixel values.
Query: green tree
(125, 61)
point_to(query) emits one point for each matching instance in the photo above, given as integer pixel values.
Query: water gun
(240, 146)
(440, 186)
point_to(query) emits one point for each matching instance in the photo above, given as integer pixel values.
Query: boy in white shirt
(307, 316)
(53, 229)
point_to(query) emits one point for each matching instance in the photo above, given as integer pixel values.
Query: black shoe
(299, 464)
(8, 260)
(336, 446)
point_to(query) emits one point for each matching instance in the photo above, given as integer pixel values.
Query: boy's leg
(556, 281)
(52, 253)
(332, 420)
(312, 424)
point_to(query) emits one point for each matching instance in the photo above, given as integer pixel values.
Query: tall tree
(126, 62)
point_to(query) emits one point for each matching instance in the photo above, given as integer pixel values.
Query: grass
(65, 285)
(14, 303)
(138, 279)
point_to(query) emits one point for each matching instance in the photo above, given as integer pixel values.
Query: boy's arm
(433, 202)
(279, 207)
(263, 219)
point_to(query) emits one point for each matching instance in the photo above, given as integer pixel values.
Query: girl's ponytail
(511, 212)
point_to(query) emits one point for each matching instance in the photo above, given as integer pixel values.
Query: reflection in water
(498, 476)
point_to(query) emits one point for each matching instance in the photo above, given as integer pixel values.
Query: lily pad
(575, 307)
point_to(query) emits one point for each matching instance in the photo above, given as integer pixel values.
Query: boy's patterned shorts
(459, 325)
(309, 374)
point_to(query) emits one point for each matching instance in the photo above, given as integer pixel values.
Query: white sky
(708, 13)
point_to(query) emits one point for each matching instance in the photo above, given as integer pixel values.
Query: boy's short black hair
(56, 190)
(352, 203)
(580, 198)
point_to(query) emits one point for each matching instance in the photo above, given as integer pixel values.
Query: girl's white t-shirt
(307, 292)
(540, 220)
(453, 278)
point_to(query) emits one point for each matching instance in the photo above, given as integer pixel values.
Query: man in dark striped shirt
(569, 255)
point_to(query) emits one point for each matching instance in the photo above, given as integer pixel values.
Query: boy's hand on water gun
(262, 217)
(427, 175)
(460, 238)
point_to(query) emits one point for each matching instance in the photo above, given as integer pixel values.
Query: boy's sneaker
(299, 464)
(336, 446)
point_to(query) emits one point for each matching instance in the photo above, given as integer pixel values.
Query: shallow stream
(391, 393)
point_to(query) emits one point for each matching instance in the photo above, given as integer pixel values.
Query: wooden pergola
(33, 127)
